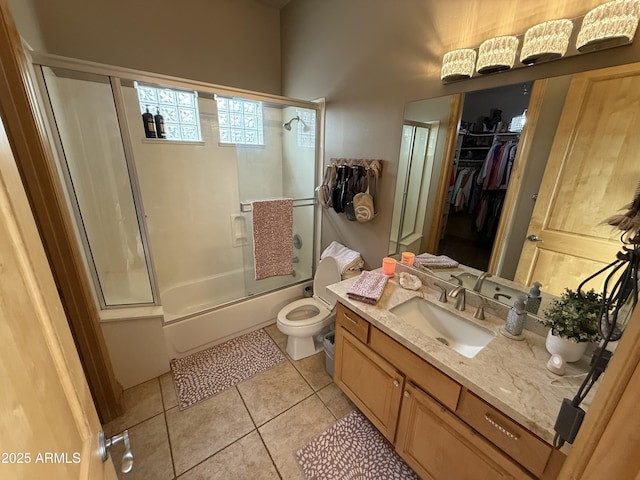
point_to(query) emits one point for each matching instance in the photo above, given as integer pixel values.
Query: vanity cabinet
(439, 427)
(368, 380)
(439, 446)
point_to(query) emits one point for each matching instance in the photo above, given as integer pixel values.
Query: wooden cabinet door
(438, 446)
(592, 172)
(369, 381)
(48, 423)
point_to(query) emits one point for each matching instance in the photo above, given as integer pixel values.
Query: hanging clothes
(496, 169)
(493, 181)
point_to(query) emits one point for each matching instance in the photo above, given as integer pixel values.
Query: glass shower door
(97, 177)
(292, 174)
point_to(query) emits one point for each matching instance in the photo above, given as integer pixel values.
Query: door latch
(106, 443)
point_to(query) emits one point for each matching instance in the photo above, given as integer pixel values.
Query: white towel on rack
(272, 237)
(347, 259)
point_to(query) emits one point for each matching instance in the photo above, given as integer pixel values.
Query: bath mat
(207, 373)
(352, 448)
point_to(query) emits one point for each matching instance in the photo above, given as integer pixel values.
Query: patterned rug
(207, 373)
(352, 448)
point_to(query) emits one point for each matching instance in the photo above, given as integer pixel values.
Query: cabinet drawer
(353, 323)
(515, 440)
(424, 375)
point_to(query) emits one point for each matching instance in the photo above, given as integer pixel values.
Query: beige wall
(367, 57)
(24, 14)
(227, 42)
(370, 57)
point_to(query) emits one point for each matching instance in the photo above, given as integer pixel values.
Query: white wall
(190, 191)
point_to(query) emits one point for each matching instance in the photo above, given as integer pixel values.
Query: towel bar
(245, 207)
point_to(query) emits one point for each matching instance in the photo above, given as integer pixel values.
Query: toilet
(304, 319)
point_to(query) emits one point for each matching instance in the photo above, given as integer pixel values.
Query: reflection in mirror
(416, 158)
(580, 130)
(486, 149)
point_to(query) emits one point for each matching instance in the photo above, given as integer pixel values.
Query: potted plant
(573, 322)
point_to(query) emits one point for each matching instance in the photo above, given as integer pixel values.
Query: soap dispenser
(533, 299)
(515, 321)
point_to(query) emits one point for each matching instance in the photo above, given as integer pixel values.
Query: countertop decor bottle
(149, 124)
(159, 120)
(533, 299)
(515, 321)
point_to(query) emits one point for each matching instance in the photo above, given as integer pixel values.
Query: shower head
(287, 125)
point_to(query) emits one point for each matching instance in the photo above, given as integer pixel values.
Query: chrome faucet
(498, 295)
(480, 281)
(443, 293)
(459, 294)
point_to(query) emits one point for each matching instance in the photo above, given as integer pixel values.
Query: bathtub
(148, 337)
(189, 327)
(188, 299)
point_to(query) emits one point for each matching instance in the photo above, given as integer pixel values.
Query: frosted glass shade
(458, 64)
(609, 25)
(546, 41)
(497, 54)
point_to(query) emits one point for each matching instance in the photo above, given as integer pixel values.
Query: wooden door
(369, 381)
(48, 422)
(592, 172)
(439, 446)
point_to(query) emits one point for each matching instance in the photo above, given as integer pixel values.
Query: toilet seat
(305, 319)
(317, 312)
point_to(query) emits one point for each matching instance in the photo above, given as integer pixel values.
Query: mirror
(476, 134)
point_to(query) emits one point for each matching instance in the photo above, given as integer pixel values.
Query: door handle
(106, 443)
(533, 238)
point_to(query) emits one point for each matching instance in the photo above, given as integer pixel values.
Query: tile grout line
(257, 430)
(166, 426)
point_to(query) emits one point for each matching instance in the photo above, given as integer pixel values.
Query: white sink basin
(463, 336)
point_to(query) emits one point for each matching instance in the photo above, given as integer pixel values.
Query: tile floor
(246, 432)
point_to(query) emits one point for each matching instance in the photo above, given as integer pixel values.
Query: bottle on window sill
(149, 124)
(159, 120)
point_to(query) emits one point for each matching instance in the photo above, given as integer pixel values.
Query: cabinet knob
(396, 383)
(407, 394)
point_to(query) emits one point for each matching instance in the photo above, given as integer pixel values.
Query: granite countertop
(510, 375)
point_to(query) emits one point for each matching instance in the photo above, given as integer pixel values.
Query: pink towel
(368, 287)
(433, 261)
(272, 237)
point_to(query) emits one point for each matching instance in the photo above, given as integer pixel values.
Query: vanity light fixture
(609, 25)
(458, 64)
(497, 54)
(546, 41)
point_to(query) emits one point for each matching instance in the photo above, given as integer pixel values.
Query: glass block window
(306, 128)
(178, 108)
(240, 121)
